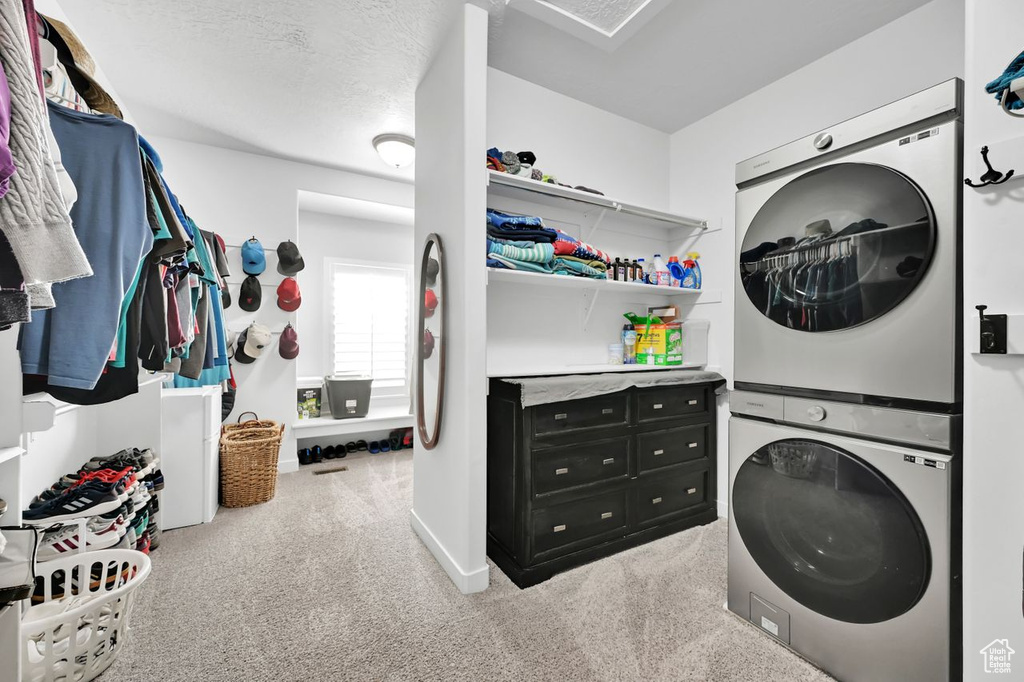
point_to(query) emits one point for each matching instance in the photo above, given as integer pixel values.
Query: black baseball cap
(251, 295)
(289, 260)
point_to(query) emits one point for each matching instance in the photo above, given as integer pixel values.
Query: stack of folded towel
(517, 242)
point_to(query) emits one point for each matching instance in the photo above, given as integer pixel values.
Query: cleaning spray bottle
(691, 278)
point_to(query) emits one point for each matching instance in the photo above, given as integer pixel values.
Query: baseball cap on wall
(289, 343)
(254, 261)
(251, 343)
(289, 260)
(251, 295)
(288, 295)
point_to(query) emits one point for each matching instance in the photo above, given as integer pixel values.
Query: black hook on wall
(989, 177)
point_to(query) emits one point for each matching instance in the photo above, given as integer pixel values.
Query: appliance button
(823, 141)
(816, 413)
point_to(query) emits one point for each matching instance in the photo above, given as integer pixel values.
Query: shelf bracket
(589, 230)
(590, 297)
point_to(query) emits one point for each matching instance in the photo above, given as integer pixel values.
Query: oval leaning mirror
(431, 353)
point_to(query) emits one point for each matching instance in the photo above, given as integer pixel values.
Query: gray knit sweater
(32, 213)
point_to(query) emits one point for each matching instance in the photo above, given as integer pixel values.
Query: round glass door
(831, 531)
(837, 247)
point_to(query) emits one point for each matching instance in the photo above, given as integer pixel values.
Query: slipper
(350, 448)
(407, 438)
(329, 452)
(361, 446)
(374, 447)
(304, 456)
(340, 451)
(317, 454)
(396, 443)
(385, 446)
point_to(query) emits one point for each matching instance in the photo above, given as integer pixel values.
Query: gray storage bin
(348, 396)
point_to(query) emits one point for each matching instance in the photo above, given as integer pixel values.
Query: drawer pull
(656, 500)
(559, 529)
(657, 406)
(607, 410)
(606, 515)
(691, 491)
(561, 415)
(691, 445)
(610, 460)
(563, 470)
(659, 452)
(691, 402)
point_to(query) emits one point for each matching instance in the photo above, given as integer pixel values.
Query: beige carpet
(329, 582)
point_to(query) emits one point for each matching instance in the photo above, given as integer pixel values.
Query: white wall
(993, 385)
(449, 482)
(921, 49)
(237, 195)
(324, 236)
(578, 143)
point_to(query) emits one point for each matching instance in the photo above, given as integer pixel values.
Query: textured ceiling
(607, 15)
(315, 81)
(693, 58)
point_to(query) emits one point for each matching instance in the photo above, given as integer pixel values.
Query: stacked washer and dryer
(844, 450)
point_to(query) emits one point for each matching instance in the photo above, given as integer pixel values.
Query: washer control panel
(816, 413)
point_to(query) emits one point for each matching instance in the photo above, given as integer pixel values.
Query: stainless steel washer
(848, 243)
(841, 542)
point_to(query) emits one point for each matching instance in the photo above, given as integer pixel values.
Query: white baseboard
(723, 509)
(287, 466)
(467, 582)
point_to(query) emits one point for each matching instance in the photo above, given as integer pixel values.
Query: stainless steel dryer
(841, 545)
(848, 242)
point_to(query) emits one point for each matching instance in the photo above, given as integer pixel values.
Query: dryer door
(837, 247)
(831, 531)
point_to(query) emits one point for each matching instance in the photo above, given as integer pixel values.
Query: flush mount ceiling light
(395, 150)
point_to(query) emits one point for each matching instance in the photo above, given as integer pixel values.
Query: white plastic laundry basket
(78, 620)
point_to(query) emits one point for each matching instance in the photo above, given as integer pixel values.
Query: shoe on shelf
(407, 438)
(305, 456)
(396, 443)
(316, 454)
(144, 544)
(144, 462)
(385, 446)
(361, 446)
(329, 452)
(61, 540)
(157, 478)
(374, 447)
(154, 535)
(88, 499)
(340, 451)
(351, 447)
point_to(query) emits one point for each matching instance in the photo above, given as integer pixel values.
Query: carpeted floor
(329, 582)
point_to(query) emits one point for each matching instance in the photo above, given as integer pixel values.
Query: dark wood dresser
(570, 482)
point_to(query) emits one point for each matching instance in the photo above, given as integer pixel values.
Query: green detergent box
(659, 338)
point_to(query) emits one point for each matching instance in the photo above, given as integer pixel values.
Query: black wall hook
(991, 176)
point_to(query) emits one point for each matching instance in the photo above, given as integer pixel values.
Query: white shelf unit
(546, 195)
(684, 296)
(376, 419)
(506, 372)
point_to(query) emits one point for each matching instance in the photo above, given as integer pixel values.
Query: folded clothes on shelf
(567, 245)
(513, 264)
(577, 267)
(534, 253)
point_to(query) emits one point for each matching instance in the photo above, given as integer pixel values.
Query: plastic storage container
(348, 396)
(695, 343)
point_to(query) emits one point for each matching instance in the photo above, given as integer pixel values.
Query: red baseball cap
(288, 296)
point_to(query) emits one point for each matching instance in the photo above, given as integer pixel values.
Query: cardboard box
(660, 344)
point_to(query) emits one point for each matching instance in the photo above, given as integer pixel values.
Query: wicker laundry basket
(248, 461)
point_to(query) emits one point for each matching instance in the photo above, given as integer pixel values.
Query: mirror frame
(429, 439)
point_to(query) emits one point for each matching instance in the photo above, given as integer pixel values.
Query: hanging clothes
(101, 154)
(33, 216)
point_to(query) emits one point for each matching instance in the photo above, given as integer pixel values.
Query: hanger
(991, 176)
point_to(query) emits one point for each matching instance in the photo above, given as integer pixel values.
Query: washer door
(837, 247)
(831, 531)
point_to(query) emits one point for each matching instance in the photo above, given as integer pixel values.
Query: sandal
(385, 446)
(350, 448)
(340, 451)
(361, 446)
(374, 447)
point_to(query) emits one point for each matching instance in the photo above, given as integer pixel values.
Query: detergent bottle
(661, 276)
(675, 270)
(691, 272)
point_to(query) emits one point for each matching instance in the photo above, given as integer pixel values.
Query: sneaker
(68, 483)
(144, 462)
(63, 540)
(3, 507)
(154, 535)
(144, 544)
(157, 478)
(88, 499)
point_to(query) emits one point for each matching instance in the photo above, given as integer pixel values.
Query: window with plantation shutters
(371, 324)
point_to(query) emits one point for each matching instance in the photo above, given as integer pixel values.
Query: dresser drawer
(672, 402)
(575, 522)
(670, 495)
(589, 413)
(659, 449)
(561, 468)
